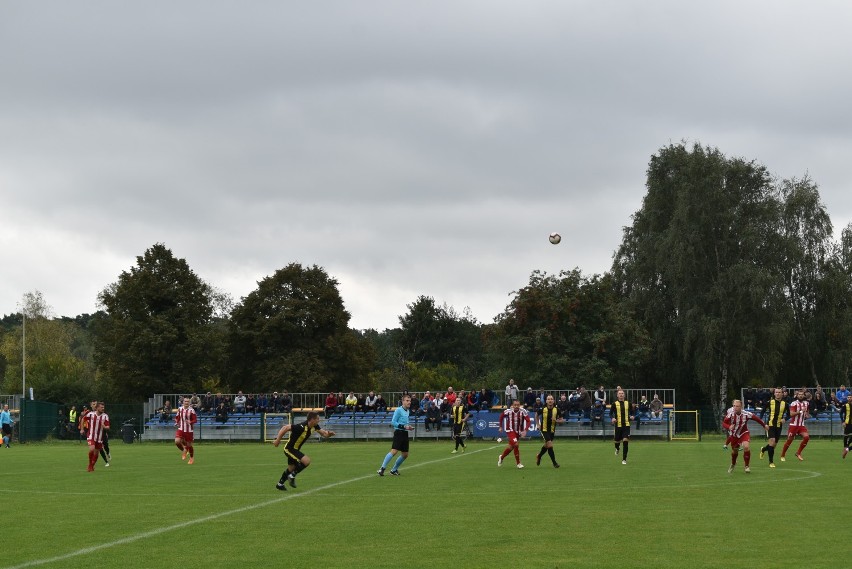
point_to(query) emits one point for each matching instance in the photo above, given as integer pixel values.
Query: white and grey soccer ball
(555, 238)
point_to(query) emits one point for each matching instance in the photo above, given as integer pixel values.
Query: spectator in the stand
(511, 392)
(166, 411)
(562, 405)
(585, 403)
(240, 402)
(286, 402)
(485, 397)
(414, 409)
(472, 400)
(529, 399)
(818, 404)
(600, 395)
(381, 404)
(330, 404)
(207, 403)
(536, 410)
(440, 402)
(370, 402)
(251, 403)
(221, 413)
(656, 407)
(341, 402)
(195, 402)
(427, 398)
(228, 404)
(840, 396)
(433, 416)
(450, 396)
(262, 403)
(351, 401)
(643, 408)
(574, 401)
(361, 404)
(216, 400)
(275, 403)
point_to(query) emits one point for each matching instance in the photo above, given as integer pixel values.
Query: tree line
(727, 277)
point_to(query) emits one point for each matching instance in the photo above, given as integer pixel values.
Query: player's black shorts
(847, 430)
(7, 429)
(621, 433)
(294, 456)
(457, 429)
(547, 436)
(400, 440)
(776, 433)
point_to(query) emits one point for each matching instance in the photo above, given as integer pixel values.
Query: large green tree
(568, 330)
(292, 332)
(700, 267)
(155, 333)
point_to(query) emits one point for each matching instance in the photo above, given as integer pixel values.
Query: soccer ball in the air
(499, 440)
(555, 238)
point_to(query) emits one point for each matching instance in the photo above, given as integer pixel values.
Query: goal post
(684, 426)
(272, 423)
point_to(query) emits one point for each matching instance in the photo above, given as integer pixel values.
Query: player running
(185, 419)
(98, 424)
(516, 422)
(735, 422)
(796, 426)
(297, 461)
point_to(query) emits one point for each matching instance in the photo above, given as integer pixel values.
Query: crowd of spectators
(223, 406)
(757, 399)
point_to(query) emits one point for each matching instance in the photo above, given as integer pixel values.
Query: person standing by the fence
(185, 419)
(6, 425)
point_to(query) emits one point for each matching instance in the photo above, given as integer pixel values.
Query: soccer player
(460, 417)
(736, 423)
(777, 408)
(846, 411)
(185, 419)
(796, 426)
(400, 425)
(297, 461)
(98, 423)
(516, 422)
(620, 410)
(547, 420)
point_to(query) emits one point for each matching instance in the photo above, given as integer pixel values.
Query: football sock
(624, 454)
(93, 457)
(771, 451)
(734, 456)
(387, 459)
(103, 455)
(517, 452)
(398, 462)
(803, 444)
(552, 455)
(299, 467)
(191, 450)
(846, 441)
(180, 446)
(106, 444)
(541, 452)
(786, 446)
(747, 457)
(617, 447)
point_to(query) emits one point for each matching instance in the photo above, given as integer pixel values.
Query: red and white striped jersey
(802, 408)
(96, 426)
(515, 421)
(185, 419)
(737, 423)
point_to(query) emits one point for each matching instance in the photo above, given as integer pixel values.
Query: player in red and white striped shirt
(798, 413)
(98, 422)
(516, 422)
(735, 422)
(184, 420)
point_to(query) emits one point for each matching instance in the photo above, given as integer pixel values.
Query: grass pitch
(673, 505)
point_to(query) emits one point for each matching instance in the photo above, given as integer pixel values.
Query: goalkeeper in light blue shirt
(400, 425)
(6, 424)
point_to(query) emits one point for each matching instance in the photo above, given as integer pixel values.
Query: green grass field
(674, 505)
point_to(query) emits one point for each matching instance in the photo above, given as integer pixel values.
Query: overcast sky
(408, 148)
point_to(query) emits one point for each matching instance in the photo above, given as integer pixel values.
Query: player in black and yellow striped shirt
(547, 419)
(846, 410)
(460, 417)
(621, 412)
(297, 461)
(777, 411)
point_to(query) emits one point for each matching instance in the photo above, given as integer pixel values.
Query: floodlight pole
(24, 355)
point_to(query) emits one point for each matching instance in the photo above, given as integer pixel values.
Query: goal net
(272, 423)
(684, 426)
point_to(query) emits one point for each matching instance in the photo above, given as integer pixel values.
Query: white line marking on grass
(211, 517)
